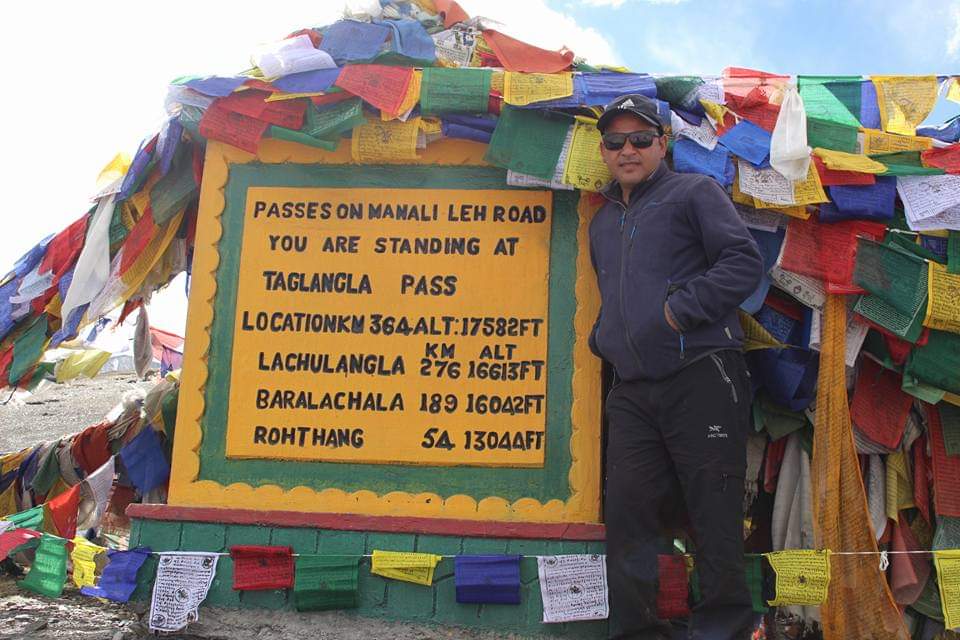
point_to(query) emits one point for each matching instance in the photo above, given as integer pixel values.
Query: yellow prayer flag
(943, 308)
(393, 141)
(948, 577)
(899, 485)
(497, 79)
(842, 161)
(431, 126)
(8, 500)
(584, 168)
(755, 335)
(525, 88)
(84, 557)
(81, 363)
(803, 576)
(905, 101)
(280, 96)
(809, 190)
(876, 141)
(410, 99)
(717, 112)
(409, 567)
(115, 170)
(12, 460)
(953, 91)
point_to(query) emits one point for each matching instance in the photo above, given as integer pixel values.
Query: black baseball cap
(639, 105)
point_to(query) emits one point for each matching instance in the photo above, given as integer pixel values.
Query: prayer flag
(322, 583)
(409, 567)
(803, 576)
(382, 86)
(905, 101)
(869, 202)
(521, 89)
(392, 141)
(29, 519)
(145, 461)
(946, 469)
(515, 55)
(690, 157)
(216, 86)
(947, 158)
(221, 124)
(826, 251)
(27, 348)
(943, 306)
(62, 512)
(49, 569)
(748, 141)
(583, 167)
(573, 587)
(673, 589)
(12, 539)
(454, 90)
(754, 575)
(352, 41)
(879, 408)
(937, 363)
(487, 579)
(259, 567)
(947, 563)
(183, 580)
(119, 578)
(831, 98)
(83, 556)
(528, 141)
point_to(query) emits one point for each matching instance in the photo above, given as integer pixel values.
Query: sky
(87, 80)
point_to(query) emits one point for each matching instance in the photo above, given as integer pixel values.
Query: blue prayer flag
(604, 87)
(350, 41)
(748, 141)
(864, 202)
(410, 39)
(769, 244)
(119, 578)
(474, 128)
(132, 179)
(949, 131)
(168, 142)
(216, 86)
(869, 108)
(144, 461)
(308, 81)
(68, 330)
(493, 579)
(690, 157)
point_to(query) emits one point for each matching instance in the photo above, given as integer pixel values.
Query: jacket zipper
(670, 289)
(625, 245)
(726, 378)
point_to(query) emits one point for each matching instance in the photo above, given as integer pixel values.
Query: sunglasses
(638, 139)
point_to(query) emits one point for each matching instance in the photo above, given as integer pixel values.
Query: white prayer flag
(95, 493)
(573, 587)
(183, 579)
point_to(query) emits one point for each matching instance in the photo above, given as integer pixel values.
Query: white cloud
(953, 44)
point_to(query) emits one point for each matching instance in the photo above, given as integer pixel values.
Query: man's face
(631, 166)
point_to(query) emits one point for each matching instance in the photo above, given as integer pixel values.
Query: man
(673, 263)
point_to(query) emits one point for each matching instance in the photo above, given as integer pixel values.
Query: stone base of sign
(169, 529)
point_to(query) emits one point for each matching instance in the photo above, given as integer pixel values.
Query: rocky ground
(68, 408)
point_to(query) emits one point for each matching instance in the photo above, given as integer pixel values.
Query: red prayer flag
(451, 11)
(139, 237)
(946, 469)
(827, 251)
(909, 571)
(382, 86)
(65, 248)
(331, 98)
(880, 408)
(833, 178)
(516, 55)
(63, 512)
(91, 447)
(10, 540)
(673, 587)
(947, 158)
(232, 128)
(257, 568)
(776, 450)
(921, 478)
(252, 103)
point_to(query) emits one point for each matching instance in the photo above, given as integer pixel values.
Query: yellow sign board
(392, 326)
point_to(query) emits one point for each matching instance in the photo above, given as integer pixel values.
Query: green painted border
(549, 482)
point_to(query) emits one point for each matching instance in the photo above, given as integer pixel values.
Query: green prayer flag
(950, 419)
(833, 98)
(928, 603)
(901, 158)
(28, 348)
(118, 232)
(937, 363)
(832, 135)
(910, 170)
(48, 471)
(893, 273)
(953, 252)
(330, 122)
(947, 535)
(29, 519)
(528, 141)
(190, 117)
(754, 571)
(454, 91)
(694, 578)
(282, 133)
(777, 420)
(679, 91)
(175, 190)
(326, 582)
(49, 569)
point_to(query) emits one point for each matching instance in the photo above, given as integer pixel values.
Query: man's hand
(669, 316)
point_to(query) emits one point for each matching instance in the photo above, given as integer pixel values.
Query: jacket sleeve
(592, 340)
(735, 266)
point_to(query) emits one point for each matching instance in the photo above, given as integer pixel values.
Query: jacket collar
(614, 193)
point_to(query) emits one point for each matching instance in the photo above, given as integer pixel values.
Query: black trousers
(675, 441)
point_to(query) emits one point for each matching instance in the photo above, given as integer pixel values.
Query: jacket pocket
(722, 370)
